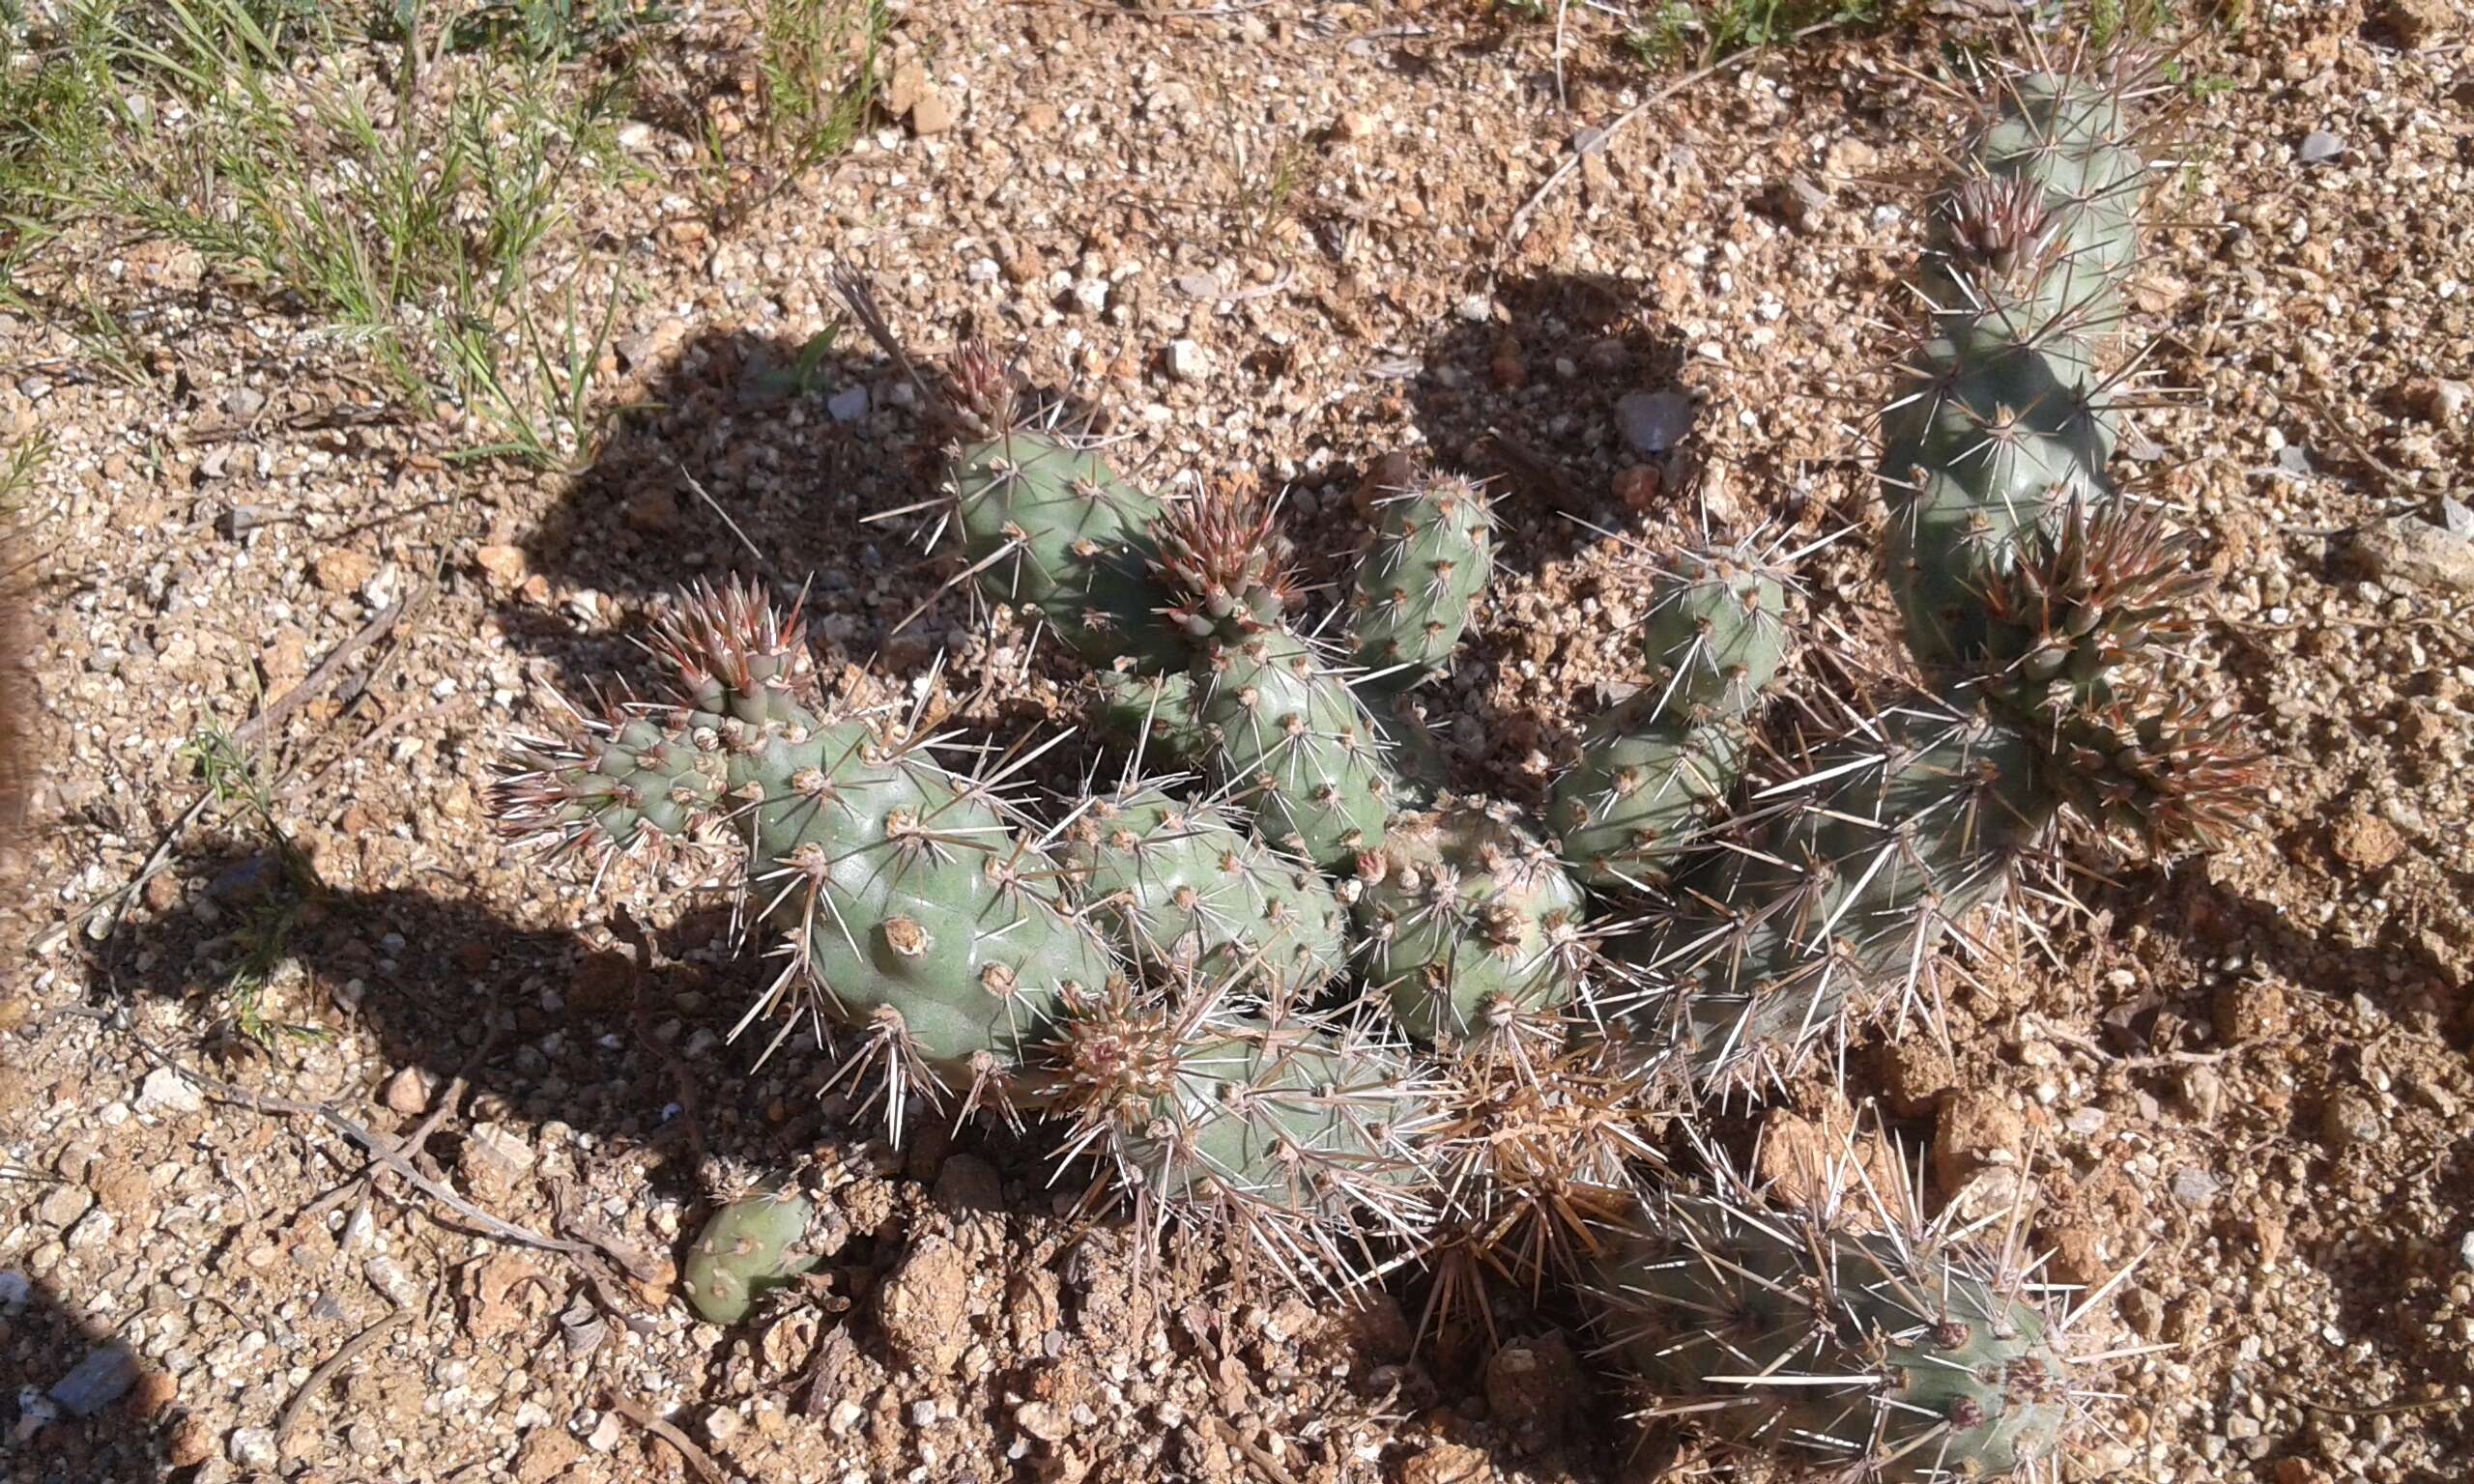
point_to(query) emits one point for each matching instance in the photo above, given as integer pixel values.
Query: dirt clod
(922, 1304)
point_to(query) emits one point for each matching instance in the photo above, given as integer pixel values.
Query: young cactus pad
(1291, 742)
(747, 1247)
(1471, 929)
(1433, 552)
(1049, 525)
(1655, 770)
(1892, 1358)
(1186, 883)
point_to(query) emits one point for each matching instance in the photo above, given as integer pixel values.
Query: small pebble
(1653, 421)
(254, 1448)
(408, 1092)
(166, 1091)
(2194, 1186)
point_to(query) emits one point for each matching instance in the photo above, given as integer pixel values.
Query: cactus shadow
(543, 1023)
(69, 1389)
(740, 454)
(1528, 397)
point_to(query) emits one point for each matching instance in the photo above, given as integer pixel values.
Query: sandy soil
(2248, 1071)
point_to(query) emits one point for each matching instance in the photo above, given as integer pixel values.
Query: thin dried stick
(324, 677)
(379, 1146)
(1518, 227)
(697, 1458)
(325, 1372)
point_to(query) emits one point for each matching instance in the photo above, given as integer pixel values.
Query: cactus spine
(1891, 1355)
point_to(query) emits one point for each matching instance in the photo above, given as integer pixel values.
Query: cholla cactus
(1846, 1338)
(2032, 592)
(1655, 772)
(1310, 994)
(917, 911)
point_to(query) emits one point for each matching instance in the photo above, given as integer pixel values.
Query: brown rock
(2365, 842)
(339, 569)
(502, 566)
(1829, 1159)
(1446, 1463)
(1532, 1385)
(1636, 485)
(122, 1185)
(653, 512)
(407, 1092)
(903, 89)
(1915, 1071)
(547, 1452)
(2249, 1010)
(191, 1443)
(286, 659)
(2348, 1118)
(2080, 1255)
(2418, 23)
(1033, 1306)
(2406, 553)
(1976, 1128)
(152, 1394)
(934, 113)
(923, 1307)
(2143, 1311)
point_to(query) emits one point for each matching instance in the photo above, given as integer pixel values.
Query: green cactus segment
(1471, 928)
(1645, 792)
(1155, 711)
(1296, 1134)
(1717, 631)
(1863, 1355)
(1432, 554)
(2063, 143)
(1291, 742)
(747, 1247)
(1832, 911)
(1406, 737)
(1656, 770)
(1187, 886)
(909, 900)
(913, 910)
(631, 783)
(2003, 417)
(1048, 525)
(1990, 438)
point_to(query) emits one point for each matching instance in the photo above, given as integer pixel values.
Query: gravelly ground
(2249, 1069)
